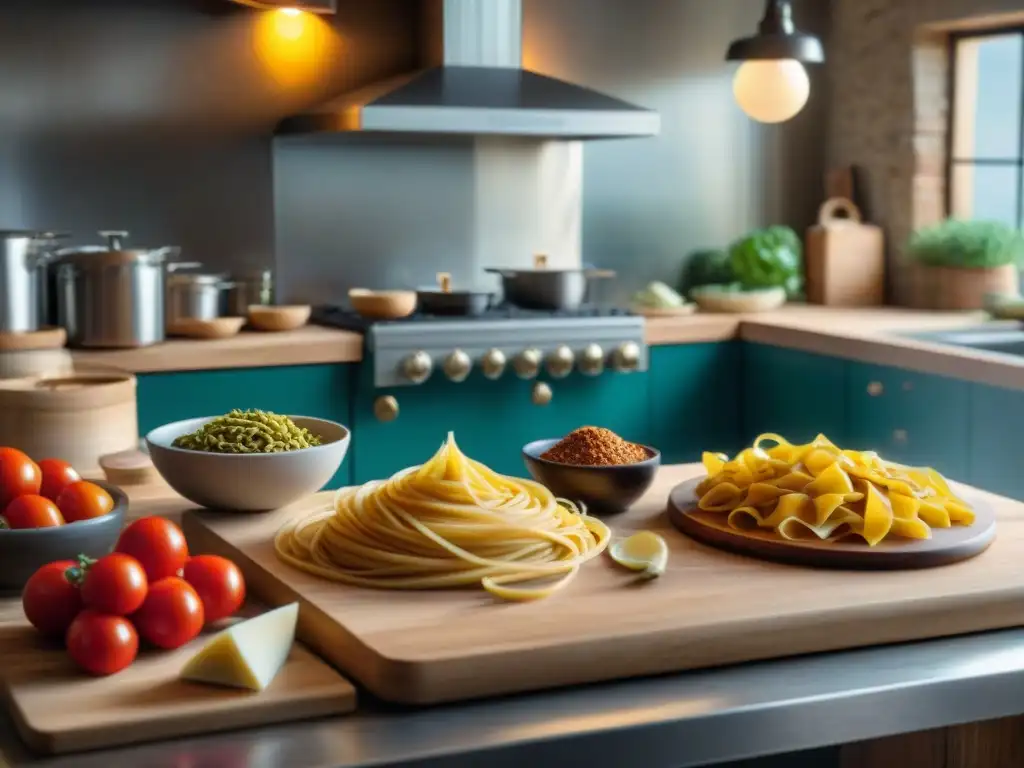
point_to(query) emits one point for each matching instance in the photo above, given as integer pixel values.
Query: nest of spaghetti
(818, 491)
(451, 522)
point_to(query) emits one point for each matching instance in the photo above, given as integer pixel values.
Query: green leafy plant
(707, 267)
(967, 244)
(767, 258)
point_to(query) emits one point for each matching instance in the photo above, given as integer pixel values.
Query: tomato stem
(76, 574)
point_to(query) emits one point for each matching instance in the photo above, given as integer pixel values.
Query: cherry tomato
(158, 544)
(219, 584)
(83, 501)
(115, 584)
(172, 614)
(101, 644)
(51, 598)
(32, 512)
(56, 476)
(19, 475)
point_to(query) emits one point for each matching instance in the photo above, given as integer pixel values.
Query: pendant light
(771, 84)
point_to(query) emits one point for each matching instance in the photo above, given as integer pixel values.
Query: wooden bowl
(382, 305)
(263, 317)
(219, 328)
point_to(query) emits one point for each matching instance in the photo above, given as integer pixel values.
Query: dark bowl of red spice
(594, 466)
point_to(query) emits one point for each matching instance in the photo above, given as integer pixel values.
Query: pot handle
(174, 266)
(499, 271)
(44, 249)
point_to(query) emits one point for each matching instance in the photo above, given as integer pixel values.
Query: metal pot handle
(174, 266)
(44, 248)
(114, 237)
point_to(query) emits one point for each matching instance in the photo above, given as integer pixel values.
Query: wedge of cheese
(248, 654)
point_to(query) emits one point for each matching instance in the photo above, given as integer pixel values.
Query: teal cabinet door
(996, 461)
(322, 391)
(694, 399)
(796, 394)
(492, 420)
(909, 417)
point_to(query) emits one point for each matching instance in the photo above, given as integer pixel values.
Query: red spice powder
(595, 447)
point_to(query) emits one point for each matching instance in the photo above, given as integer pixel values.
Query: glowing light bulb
(291, 11)
(771, 91)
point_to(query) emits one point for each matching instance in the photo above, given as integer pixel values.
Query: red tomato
(84, 500)
(57, 475)
(219, 584)
(18, 475)
(115, 584)
(51, 598)
(100, 644)
(172, 614)
(32, 512)
(158, 544)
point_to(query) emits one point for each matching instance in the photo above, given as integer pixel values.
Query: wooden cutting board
(57, 709)
(844, 258)
(709, 608)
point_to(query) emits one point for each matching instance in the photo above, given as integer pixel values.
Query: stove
(504, 341)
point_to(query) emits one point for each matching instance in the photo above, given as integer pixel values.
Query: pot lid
(113, 253)
(197, 278)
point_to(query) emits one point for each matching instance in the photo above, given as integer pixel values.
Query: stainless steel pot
(543, 288)
(248, 289)
(112, 297)
(444, 301)
(23, 286)
(195, 296)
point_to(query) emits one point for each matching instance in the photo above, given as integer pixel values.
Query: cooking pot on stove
(444, 301)
(543, 288)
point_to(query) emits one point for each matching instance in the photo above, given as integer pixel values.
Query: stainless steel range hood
(477, 86)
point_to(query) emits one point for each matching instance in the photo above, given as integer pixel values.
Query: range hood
(475, 85)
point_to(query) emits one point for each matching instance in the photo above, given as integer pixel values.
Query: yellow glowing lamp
(292, 6)
(771, 84)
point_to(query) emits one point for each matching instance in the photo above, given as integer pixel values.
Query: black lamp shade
(777, 38)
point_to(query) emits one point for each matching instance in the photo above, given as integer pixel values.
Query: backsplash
(159, 121)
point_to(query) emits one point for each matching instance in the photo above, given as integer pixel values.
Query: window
(986, 166)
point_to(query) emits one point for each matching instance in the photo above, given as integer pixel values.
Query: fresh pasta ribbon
(451, 522)
(820, 492)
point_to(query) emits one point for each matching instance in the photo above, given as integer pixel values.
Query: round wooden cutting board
(947, 545)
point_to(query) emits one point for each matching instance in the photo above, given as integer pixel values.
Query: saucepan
(544, 288)
(444, 301)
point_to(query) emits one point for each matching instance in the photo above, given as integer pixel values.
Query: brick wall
(889, 84)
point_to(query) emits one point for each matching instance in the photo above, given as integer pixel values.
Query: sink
(1004, 339)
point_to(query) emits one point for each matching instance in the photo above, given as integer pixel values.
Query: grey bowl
(247, 482)
(24, 551)
(605, 490)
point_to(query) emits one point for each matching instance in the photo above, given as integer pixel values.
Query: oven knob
(527, 363)
(592, 360)
(457, 365)
(560, 362)
(541, 394)
(493, 363)
(417, 367)
(627, 357)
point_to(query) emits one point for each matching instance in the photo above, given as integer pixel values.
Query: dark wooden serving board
(947, 545)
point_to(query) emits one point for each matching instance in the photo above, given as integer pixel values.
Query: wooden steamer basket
(77, 416)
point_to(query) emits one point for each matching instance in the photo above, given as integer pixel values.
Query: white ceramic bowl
(247, 482)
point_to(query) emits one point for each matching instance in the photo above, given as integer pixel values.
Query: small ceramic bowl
(382, 305)
(264, 317)
(247, 482)
(24, 551)
(605, 490)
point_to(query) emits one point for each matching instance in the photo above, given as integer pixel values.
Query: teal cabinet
(492, 420)
(322, 391)
(792, 393)
(910, 417)
(996, 461)
(694, 399)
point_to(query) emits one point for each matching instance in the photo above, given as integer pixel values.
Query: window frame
(955, 38)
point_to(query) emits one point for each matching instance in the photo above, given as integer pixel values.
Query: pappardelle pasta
(820, 492)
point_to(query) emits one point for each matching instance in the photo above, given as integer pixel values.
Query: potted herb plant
(958, 262)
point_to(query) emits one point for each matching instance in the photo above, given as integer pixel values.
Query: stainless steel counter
(670, 722)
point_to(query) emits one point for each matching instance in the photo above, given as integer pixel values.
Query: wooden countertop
(310, 345)
(867, 335)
